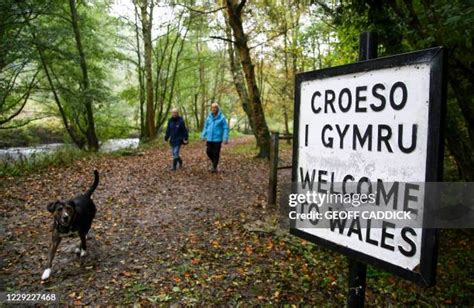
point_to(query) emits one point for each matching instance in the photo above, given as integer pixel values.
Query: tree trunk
(147, 20)
(92, 141)
(196, 111)
(172, 79)
(218, 81)
(458, 146)
(462, 84)
(460, 137)
(261, 132)
(238, 79)
(161, 83)
(202, 84)
(285, 116)
(140, 75)
(288, 78)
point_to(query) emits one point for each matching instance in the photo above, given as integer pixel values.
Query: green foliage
(50, 44)
(285, 37)
(18, 71)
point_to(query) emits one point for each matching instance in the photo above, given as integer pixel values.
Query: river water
(111, 145)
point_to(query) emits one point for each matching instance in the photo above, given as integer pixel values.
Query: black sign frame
(436, 58)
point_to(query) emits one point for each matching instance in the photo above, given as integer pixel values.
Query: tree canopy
(101, 69)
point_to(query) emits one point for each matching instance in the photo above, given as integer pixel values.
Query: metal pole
(357, 270)
(357, 275)
(273, 181)
(367, 46)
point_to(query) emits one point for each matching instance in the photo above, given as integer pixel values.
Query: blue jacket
(176, 131)
(215, 128)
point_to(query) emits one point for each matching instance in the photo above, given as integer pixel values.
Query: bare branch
(25, 98)
(270, 39)
(199, 11)
(241, 6)
(223, 39)
(324, 6)
(24, 122)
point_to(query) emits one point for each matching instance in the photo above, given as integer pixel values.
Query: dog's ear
(52, 206)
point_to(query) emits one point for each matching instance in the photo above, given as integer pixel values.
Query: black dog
(71, 217)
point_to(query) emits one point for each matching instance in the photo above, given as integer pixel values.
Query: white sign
(371, 128)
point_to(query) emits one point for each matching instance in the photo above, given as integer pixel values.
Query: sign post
(358, 270)
(375, 125)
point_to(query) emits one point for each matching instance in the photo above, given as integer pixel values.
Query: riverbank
(31, 135)
(23, 161)
(34, 135)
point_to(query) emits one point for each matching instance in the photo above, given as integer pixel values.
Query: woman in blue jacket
(215, 132)
(177, 134)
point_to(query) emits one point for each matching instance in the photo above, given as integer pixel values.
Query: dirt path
(188, 237)
(158, 235)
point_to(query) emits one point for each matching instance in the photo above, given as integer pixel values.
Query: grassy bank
(36, 162)
(44, 132)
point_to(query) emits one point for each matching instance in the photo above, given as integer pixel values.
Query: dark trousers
(213, 151)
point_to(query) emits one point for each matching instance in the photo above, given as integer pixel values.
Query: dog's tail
(94, 185)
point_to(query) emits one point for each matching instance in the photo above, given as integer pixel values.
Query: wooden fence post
(273, 181)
